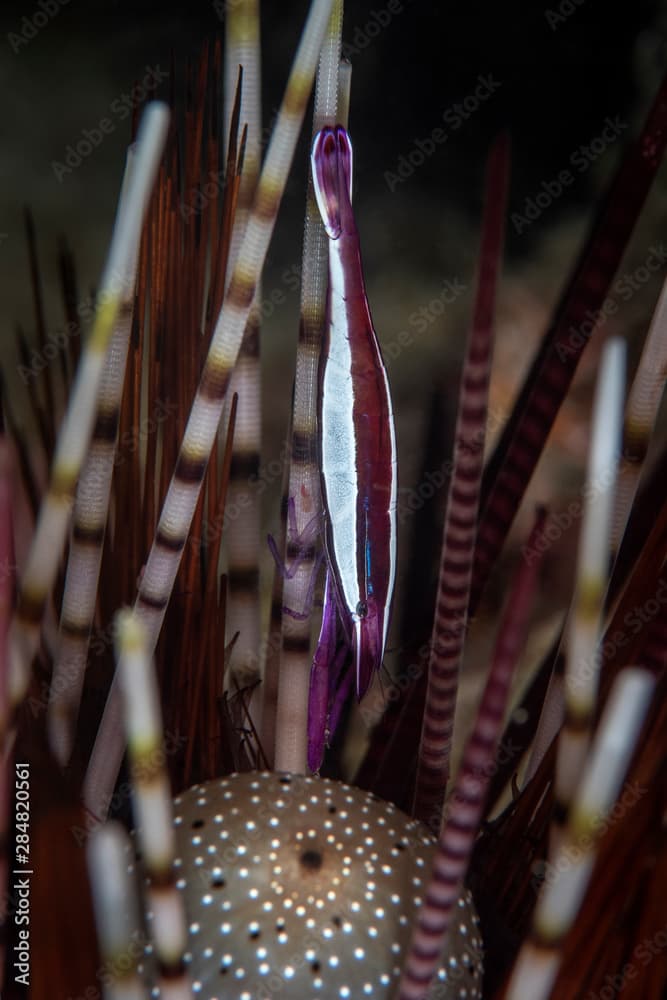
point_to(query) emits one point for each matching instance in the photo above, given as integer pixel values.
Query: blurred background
(571, 82)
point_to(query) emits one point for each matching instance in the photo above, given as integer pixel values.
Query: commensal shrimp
(357, 442)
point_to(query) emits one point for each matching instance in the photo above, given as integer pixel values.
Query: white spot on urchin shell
(317, 883)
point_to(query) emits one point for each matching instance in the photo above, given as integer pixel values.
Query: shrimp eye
(362, 609)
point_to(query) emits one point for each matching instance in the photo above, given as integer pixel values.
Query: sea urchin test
(305, 887)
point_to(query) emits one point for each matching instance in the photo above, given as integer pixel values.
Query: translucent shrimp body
(356, 425)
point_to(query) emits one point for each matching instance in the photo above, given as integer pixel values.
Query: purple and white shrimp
(357, 442)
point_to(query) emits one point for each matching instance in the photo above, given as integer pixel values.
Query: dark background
(559, 83)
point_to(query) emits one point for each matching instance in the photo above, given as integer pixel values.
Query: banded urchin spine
(547, 397)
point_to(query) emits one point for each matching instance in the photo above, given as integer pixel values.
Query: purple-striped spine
(465, 807)
(456, 562)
